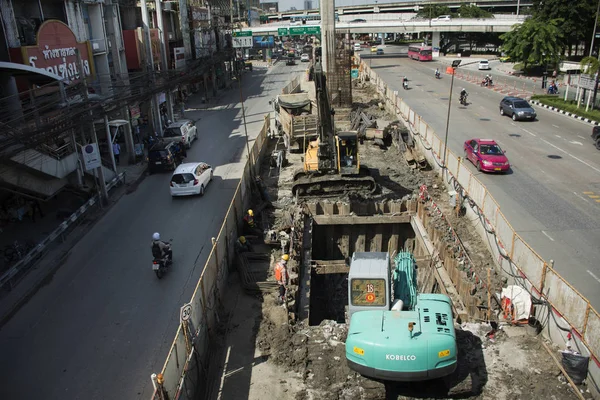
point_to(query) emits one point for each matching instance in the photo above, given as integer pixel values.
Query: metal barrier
(185, 374)
(8, 277)
(511, 250)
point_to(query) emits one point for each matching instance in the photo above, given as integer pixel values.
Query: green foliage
(471, 11)
(433, 11)
(569, 106)
(589, 65)
(576, 17)
(534, 42)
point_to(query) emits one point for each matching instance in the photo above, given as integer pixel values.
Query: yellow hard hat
(251, 213)
(285, 257)
(243, 239)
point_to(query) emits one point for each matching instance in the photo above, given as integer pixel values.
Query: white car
(484, 65)
(304, 58)
(442, 18)
(191, 179)
(357, 47)
(183, 130)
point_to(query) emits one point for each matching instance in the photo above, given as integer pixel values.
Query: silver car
(183, 130)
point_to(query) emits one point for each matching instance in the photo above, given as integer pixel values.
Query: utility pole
(103, 189)
(150, 67)
(327, 35)
(163, 54)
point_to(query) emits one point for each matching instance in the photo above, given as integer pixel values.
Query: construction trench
(296, 351)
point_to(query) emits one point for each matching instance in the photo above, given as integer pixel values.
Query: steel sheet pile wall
(511, 251)
(185, 372)
(292, 87)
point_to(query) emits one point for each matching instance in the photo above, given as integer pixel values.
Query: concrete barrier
(562, 310)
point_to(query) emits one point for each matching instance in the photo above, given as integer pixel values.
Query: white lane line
(576, 142)
(571, 155)
(548, 236)
(581, 137)
(558, 136)
(593, 275)
(556, 126)
(581, 197)
(531, 133)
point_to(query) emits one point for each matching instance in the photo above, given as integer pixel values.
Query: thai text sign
(56, 52)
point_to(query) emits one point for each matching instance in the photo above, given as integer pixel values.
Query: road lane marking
(581, 137)
(593, 275)
(593, 196)
(571, 155)
(531, 133)
(581, 197)
(558, 136)
(575, 142)
(548, 236)
(556, 126)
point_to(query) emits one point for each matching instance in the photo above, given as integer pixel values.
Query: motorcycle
(437, 75)
(487, 82)
(160, 265)
(463, 99)
(405, 85)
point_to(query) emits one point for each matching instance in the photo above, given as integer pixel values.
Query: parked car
(596, 136)
(486, 155)
(484, 65)
(183, 130)
(162, 156)
(191, 179)
(380, 51)
(517, 108)
(358, 20)
(357, 47)
(304, 58)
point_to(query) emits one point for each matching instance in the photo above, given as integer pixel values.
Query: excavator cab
(348, 161)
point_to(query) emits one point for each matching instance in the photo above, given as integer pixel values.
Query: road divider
(559, 306)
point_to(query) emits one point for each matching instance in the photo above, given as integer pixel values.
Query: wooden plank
(356, 220)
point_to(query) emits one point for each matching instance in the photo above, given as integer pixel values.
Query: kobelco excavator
(331, 163)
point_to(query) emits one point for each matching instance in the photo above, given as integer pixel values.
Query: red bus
(421, 53)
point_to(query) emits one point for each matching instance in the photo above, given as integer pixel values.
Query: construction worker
(242, 245)
(282, 277)
(250, 227)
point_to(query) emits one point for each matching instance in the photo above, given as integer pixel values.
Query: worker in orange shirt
(282, 277)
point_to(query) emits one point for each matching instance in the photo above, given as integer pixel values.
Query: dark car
(517, 108)
(162, 157)
(358, 20)
(596, 136)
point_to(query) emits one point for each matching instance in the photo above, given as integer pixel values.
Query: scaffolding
(339, 70)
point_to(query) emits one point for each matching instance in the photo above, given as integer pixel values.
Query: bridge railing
(567, 311)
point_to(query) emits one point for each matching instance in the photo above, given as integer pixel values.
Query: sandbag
(576, 366)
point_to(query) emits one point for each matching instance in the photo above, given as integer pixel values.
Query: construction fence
(185, 374)
(512, 253)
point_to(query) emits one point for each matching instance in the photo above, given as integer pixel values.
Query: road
(550, 196)
(104, 322)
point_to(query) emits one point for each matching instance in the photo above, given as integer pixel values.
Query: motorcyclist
(160, 249)
(405, 82)
(437, 73)
(463, 95)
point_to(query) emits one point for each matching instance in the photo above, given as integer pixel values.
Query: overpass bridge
(391, 23)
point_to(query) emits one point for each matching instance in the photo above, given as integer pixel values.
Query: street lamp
(455, 65)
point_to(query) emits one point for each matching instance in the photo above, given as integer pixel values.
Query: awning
(36, 76)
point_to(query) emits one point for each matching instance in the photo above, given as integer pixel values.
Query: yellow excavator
(331, 163)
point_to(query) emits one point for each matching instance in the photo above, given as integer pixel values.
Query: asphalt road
(550, 196)
(104, 322)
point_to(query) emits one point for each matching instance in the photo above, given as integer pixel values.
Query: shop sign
(179, 53)
(91, 156)
(55, 52)
(200, 17)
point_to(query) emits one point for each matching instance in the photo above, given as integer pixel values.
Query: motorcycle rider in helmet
(463, 95)
(160, 249)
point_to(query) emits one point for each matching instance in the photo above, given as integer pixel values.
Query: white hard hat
(156, 236)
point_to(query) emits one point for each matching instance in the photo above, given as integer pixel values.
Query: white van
(357, 47)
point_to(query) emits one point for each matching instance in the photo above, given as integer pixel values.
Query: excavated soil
(506, 365)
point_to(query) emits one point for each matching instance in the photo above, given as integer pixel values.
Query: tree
(433, 11)
(471, 11)
(576, 18)
(534, 42)
(589, 65)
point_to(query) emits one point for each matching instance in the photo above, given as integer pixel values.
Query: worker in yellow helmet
(242, 245)
(282, 277)
(250, 226)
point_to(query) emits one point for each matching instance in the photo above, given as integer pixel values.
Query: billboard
(262, 42)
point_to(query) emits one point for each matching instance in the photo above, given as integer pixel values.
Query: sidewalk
(55, 212)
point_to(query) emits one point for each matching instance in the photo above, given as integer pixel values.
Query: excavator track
(318, 185)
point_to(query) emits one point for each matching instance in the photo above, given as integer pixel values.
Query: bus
(310, 19)
(421, 53)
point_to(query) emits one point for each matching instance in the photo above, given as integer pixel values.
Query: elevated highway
(391, 23)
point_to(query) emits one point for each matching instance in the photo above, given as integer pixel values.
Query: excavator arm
(327, 151)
